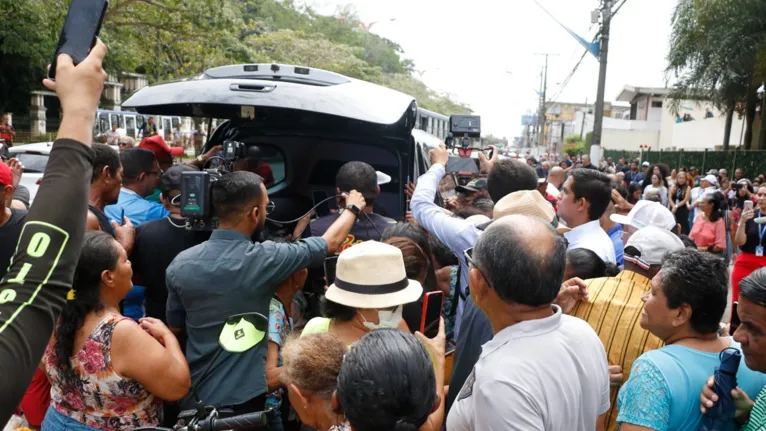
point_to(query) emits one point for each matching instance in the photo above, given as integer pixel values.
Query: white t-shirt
(552, 190)
(546, 374)
(112, 137)
(591, 236)
(178, 136)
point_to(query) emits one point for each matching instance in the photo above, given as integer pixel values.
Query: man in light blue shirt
(141, 174)
(505, 177)
(472, 328)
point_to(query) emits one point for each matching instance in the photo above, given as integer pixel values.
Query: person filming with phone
(229, 274)
(750, 237)
(37, 282)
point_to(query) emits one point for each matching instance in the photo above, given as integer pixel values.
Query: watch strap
(354, 209)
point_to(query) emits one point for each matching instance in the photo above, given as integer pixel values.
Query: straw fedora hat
(372, 275)
(530, 203)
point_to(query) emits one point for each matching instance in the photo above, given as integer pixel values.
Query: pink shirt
(706, 233)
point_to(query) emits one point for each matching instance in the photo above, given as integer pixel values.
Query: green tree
(171, 39)
(714, 52)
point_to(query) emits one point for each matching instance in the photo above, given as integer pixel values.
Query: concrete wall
(629, 140)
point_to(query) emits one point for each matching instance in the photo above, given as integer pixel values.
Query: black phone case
(78, 53)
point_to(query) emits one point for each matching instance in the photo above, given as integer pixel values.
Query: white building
(651, 123)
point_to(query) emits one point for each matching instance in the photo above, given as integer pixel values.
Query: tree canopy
(170, 39)
(718, 53)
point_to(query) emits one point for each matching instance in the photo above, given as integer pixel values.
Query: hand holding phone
(80, 32)
(748, 205)
(432, 313)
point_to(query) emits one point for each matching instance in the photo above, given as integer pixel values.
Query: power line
(618, 8)
(569, 77)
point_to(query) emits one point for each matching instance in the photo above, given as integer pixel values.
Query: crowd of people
(576, 297)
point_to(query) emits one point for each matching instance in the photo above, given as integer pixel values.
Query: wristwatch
(354, 209)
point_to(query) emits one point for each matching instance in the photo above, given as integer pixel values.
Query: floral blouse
(280, 327)
(98, 397)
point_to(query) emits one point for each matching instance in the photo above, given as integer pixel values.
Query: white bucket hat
(372, 275)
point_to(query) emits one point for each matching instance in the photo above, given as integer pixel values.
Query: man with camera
(229, 275)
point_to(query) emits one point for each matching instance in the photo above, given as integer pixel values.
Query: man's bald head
(523, 259)
(556, 176)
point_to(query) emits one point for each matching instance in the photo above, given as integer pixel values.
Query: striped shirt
(757, 420)
(614, 310)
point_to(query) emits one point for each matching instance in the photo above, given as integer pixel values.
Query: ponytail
(98, 254)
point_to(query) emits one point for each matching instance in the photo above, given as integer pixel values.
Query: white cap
(382, 178)
(711, 179)
(645, 164)
(647, 213)
(652, 244)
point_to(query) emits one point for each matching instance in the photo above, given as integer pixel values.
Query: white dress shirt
(544, 374)
(591, 236)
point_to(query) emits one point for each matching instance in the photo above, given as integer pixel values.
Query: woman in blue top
(683, 308)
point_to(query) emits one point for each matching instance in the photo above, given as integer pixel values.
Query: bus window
(130, 125)
(118, 120)
(103, 120)
(176, 121)
(166, 127)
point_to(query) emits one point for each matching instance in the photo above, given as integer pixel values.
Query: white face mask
(386, 319)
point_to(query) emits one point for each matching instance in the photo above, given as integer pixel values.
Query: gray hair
(523, 259)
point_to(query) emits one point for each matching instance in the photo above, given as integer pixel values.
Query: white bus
(130, 124)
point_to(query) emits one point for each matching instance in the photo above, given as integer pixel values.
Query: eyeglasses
(270, 207)
(468, 253)
(158, 173)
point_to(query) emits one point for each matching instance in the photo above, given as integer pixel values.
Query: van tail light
(39, 181)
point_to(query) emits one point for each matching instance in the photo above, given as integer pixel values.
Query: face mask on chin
(386, 319)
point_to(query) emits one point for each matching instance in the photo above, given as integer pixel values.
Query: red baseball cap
(160, 148)
(6, 176)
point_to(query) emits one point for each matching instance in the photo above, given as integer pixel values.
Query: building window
(657, 104)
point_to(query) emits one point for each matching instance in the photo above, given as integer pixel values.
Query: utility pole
(584, 116)
(598, 121)
(543, 101)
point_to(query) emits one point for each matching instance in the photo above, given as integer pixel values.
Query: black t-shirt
(22, 195)
(35, 288)
(363, 229)
(103, 221)
(753, 237)
(9, 237)
(158, 242)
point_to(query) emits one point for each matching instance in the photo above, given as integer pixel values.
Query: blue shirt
(457, 234)
(615, 234)
(137, 209)
(663, 390)
(224, 276)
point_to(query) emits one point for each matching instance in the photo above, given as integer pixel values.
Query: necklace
(172, 223)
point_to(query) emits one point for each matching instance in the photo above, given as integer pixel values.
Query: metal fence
(752, 162)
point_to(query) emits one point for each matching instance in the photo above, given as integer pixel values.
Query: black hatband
(376, 289)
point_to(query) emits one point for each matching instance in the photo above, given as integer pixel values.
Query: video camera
(196, 186)
(464, 127)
